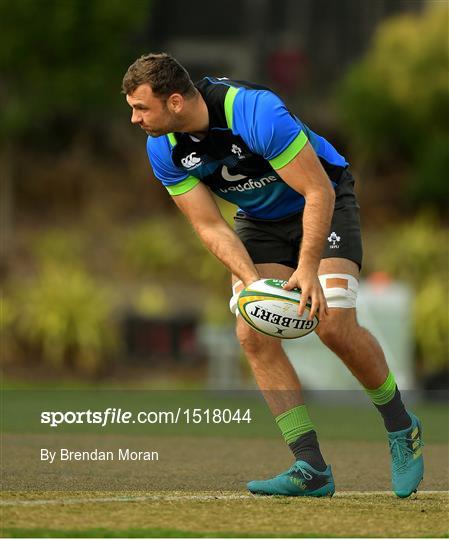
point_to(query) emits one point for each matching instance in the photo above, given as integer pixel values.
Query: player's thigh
(344, 242)
(270, 270)
(335, 265)
(269, 242)
(342, 259)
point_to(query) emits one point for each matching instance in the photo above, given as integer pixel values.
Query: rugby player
(297, 220)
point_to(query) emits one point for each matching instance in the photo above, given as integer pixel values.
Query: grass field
(197, 488)
(230, 514)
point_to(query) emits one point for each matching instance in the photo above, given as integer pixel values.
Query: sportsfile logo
(177, 415)
(287, 322)
(191, 161)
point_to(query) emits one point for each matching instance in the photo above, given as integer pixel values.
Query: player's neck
(197, 118)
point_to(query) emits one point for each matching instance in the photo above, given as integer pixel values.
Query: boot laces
(402, 451)
(296, 467)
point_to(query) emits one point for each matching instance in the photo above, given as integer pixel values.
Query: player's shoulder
(263, 120)
(235, 87)
(259, 98)
(159, 150)
(160, 146)
(247, 100)
(260, 105)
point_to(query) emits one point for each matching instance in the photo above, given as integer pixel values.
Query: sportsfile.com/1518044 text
(180, 415)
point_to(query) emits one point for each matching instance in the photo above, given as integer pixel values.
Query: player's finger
(314, 306)
(303, 302)
(324, 308)
(291, 284)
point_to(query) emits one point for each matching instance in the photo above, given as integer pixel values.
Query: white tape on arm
(236, 288)
(340, 290)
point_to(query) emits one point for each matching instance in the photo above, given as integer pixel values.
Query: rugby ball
(272, 310)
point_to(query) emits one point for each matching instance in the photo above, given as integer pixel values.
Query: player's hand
(307, 281)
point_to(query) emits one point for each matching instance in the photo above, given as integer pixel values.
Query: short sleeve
(174, 179)
(261, 118)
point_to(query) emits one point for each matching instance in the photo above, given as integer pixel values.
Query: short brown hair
(162, 72)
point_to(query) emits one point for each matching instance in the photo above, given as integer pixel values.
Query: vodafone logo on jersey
(226, 175)
(191, 161)
(250, 184)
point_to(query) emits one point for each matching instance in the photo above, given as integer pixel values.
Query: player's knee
(330, 335)
(254, 343)
(337, 328)
(340, 290)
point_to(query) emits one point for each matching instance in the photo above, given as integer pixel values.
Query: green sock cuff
(385, 392)
(294, 423)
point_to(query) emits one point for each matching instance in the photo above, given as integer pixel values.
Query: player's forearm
(222, 241)
(317, 218)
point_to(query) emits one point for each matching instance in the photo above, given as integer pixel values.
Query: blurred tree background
(87, 236)
(395, 106)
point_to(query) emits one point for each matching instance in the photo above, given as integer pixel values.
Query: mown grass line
(140, 533)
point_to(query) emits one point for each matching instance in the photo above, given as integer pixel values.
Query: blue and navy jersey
(251, 135)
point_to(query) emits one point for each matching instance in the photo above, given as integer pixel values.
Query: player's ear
(175, 103)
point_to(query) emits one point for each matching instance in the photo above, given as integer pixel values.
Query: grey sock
(396, 418)
(306, 448)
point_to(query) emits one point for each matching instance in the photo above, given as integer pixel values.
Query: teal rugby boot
(407, 465)
(300, 480)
